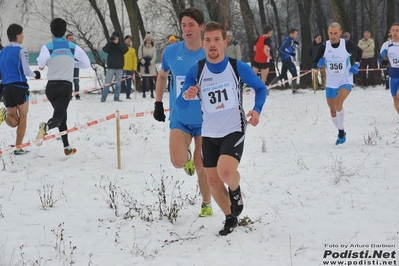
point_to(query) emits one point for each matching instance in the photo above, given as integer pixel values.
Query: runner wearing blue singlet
(184, 124)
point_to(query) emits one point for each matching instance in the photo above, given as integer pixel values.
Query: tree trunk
(249, 25)
(304, 8)
(320, 19)
(262, 13)
(278, 23)
(211, 5)
(355, 26)
(373, 20)
(140, 20)
(340, 14)
(390, 14)
(100, 16)
(224, 14)
(114, 16)
(134, 26)
(178, 6)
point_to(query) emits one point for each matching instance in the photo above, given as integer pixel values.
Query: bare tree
(304, 8)
(249, 24)
(262, 13)
(178, 6)
(219, 11)
(340, 14)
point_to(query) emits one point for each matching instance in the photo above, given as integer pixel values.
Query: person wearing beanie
(147, 55)
(14, 67)
(116, 49)
(172, 39)
(61, 57)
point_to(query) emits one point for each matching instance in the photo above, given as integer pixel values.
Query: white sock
(335, 121)
(208, 203)
(340, 119)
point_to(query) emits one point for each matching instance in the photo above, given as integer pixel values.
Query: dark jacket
(115, 54)
(312, 49)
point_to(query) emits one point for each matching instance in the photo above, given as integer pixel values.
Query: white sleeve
(82, 60)
(24, 57)
(44, 56)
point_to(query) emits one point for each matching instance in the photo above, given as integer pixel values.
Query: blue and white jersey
(14, 64)
(60, 56)
(221, 96)
(337, 65)
(178, 59)
(391, 49)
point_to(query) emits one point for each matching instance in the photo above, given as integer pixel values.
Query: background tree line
(93, 21)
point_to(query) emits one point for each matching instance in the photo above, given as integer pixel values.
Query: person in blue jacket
(287, 51)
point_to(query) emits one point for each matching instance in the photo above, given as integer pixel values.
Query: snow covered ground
(304, 197)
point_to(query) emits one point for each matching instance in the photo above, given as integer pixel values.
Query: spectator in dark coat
(312, 49)
(115, 49)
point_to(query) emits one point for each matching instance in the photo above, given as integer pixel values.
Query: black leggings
(59, 94)
(150, 80)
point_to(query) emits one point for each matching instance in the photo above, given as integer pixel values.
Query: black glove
(38, 76)
(293, 54)
(295, 42)
(159, 113)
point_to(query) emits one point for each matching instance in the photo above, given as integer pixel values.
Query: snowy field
(304, 197)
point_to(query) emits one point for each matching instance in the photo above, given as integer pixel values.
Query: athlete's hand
(159, 112)
(191, 92)
(37, 73)
(254, 120)
(321, 62)
(354, 69)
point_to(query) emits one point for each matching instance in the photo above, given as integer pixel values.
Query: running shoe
(3, 114)
(237, 205)
(42, 132)
(341, 140)
(189, 166)
(69, 151)
(229, 225)
(20, 152)
(206, 211)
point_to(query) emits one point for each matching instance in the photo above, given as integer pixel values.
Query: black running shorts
(212, 148)
(15, 94)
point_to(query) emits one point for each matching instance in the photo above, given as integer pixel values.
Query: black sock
(230, 216)
(341, 133)
(235, 191)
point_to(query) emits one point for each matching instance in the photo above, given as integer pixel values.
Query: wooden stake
(118, 140)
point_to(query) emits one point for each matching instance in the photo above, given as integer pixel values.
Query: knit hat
(116, 34)
(172, 38)
(148, 36)
(58, 27)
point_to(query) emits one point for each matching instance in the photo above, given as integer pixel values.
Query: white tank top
(337, 65)
(221, 103)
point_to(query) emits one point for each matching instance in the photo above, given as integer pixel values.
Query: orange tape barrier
(75, 129)
(45, 100)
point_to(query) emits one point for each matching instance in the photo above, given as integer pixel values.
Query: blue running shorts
(331, 93)
(194, 130)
